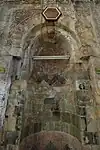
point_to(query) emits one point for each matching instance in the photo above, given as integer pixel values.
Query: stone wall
(29, 102)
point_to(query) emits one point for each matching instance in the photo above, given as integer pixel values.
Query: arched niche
(61, 42)
(52, 140)
(36, 30)
(50, 45)
(47, 79)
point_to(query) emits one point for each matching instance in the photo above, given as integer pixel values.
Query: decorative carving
(51, 13)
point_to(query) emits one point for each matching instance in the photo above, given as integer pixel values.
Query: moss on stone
(2, 69)
(97, 70)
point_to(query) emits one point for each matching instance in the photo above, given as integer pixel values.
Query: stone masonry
(49, 75)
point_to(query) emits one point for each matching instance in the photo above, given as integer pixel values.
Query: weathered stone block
(56, 116)
(75, 120)
(66, 117)
(50, 100)
(37, 127)
(11, 137)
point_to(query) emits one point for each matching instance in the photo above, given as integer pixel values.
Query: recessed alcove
(48, 69)
(50, 57)
(51, 140)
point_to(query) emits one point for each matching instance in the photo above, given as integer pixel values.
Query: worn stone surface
(55, 97)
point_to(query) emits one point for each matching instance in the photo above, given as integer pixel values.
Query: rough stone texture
(52, 98)
(42, 139)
